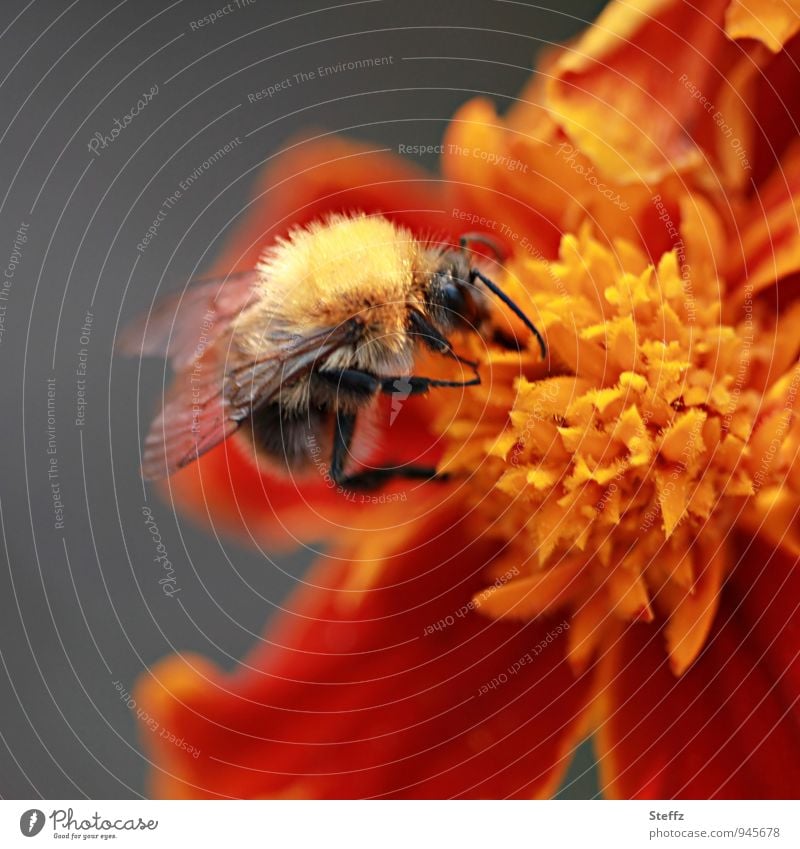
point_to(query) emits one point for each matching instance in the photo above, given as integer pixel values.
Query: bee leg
(356, 385)
(431, 337)
(428, 334)
(416, 385)
(505, 340)
(361, 385)
(435, 341)
(344, 429)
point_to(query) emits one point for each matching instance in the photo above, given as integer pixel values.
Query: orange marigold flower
(618, 551)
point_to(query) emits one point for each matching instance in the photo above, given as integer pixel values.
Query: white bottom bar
(386, 825)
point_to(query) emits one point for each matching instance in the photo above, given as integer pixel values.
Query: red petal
(358, 695)
(332, 174)
(730, 726)
(770, 241)
(225, 489)
(775, 107)
(623, 92)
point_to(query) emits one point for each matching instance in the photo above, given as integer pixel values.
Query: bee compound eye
(453, 299)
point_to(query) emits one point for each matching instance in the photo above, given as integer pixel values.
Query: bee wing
(181, 326)
(192, 420)
(210, 399)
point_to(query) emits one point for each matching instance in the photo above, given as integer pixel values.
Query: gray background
(81, 607)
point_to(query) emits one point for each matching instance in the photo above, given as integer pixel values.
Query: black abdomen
(295, 440)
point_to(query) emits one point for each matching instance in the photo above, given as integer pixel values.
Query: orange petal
(772, 22)
(589, 628)
(673, 490)
(524, 598)
(703, 235)
(774, 514)
(617, 91)
(694, 608)
(489, 181)
(729, 727)
(628, 594)
(771, 237)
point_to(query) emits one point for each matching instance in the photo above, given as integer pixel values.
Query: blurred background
(80, 605)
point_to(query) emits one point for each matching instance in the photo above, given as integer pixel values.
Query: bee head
(452, 300)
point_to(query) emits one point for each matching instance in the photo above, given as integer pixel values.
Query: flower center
(614, 477)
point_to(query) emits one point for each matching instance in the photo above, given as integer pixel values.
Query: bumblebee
(293, 355)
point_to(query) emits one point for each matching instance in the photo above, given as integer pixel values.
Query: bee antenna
(486, 241)
(496, 290)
